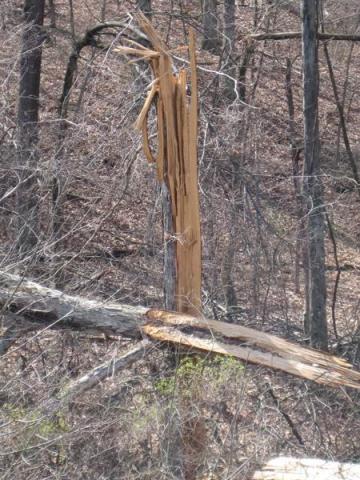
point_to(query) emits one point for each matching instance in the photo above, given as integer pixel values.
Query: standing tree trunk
(169, 250)
(229, 49)
(27, 197)
(211, 40)
(52, 13)
(145, 7)
(315, 313)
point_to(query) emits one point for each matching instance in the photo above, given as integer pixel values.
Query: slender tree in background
(229, 49)
(145, 7)
(27, 126)
(315, 304)
(52, 13)
(210, 25)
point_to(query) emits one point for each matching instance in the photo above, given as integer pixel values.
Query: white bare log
(288, 468)
(40, 304)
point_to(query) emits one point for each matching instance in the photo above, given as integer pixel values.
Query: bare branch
(297, 35)
(95, 376)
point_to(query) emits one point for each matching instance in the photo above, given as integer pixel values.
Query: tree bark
(169, 251)
(313, 191)
(243, 68)
(52, 13)
(211, 40)
(28, 197)
(55, 309)
(145, 7)
(22, 299)
(230, 82)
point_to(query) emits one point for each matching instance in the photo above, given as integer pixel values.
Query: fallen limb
(332, 376)
(286, 468)
(54, 309)
(254, 337)
(95, 376)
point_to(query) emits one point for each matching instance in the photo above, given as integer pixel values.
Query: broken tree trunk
(26, 300)
(176, 159)
(286, 468)
(52, 308)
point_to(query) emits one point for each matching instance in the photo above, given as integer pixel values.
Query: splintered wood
(250, 346)
(176, 158)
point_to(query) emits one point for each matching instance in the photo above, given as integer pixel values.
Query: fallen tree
(28, 301)
(38, 304)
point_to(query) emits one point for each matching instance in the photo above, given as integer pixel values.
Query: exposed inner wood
(176, 156)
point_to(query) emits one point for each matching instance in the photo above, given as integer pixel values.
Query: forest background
(85, 217)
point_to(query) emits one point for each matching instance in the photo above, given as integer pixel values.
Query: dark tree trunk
(313, 191)
(52, 13)
(296, 152)
(28, 128)
(243, 68)
(229, 49)
(145, 7)
(169, 251)
(211, 40)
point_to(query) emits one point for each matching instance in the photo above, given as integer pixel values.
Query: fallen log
(25, 299)
(288, 468)
(38, 304)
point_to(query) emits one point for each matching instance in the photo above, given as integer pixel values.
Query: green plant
(195, 373)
